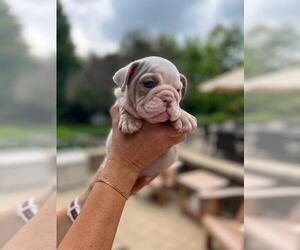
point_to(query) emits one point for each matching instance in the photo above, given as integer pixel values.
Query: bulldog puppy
(150, 89)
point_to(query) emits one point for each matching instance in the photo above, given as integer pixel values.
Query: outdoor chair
(278, 200)
(164, 183)
(232, 170)
(191, 187)
(276, 224)
(271, 233)
(226, 233)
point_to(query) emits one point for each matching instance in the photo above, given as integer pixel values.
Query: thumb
(114, 113)
(140, 183)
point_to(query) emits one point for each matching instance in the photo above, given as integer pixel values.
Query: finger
(178, 125)
(114, 113)
(140, 183)
(176, 133)
(179, 138)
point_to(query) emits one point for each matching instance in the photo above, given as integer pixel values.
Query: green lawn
(13, 136)
(216, 118)
(80, 135)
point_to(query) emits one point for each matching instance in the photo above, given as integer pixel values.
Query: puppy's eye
(149, 84)
(178, 90)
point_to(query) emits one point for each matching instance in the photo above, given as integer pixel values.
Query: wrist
(119, 174)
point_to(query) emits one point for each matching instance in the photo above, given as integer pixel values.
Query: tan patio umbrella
(285, 80)
(232, 81)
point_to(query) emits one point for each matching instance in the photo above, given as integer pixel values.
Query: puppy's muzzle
(166, 96)
(160, 105)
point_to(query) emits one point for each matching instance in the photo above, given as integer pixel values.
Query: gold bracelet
(113, 187)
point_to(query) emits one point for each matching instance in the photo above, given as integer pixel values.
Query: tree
(137, 44)
(268, 49)
(91, 87)
(220, 52)
(67, 63)
(228, 44)
(14, 54)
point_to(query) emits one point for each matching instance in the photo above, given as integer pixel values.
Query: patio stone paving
(147, 226)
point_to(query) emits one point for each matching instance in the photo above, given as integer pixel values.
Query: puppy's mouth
(160, 118)
(161, 104)
(158, 111)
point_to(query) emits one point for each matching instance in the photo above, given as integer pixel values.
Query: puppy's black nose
(168, 98)
(168, 103)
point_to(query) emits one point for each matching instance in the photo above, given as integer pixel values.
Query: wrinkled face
(153, 88)
(157, 96)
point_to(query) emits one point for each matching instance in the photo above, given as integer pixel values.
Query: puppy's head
(153, 87)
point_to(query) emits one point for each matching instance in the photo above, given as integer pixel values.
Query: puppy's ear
(184, 85)
(124, 75)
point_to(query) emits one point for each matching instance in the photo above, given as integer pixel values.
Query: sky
(272, 13)
(38, 23)
(99, 25)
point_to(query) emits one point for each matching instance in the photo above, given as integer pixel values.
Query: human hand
(186, 122)
(138, 150)
(133, 152)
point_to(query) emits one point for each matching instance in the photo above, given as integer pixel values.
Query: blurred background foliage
(85, 86)
(26, 81)
(268, 49)
(27, 89)
(14, 59)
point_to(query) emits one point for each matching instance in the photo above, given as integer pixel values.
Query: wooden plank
(279, 169)
(199, 180)
(272, 234)
(222, 193)
(255, 181)
(275, 192)
(228, 168)
(226, 232)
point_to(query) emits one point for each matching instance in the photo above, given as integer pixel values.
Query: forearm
(11, 223)
(96, 226)
(63, 221)
(38, 233)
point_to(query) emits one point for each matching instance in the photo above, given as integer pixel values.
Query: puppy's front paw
(185, 123)
(129, 124)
